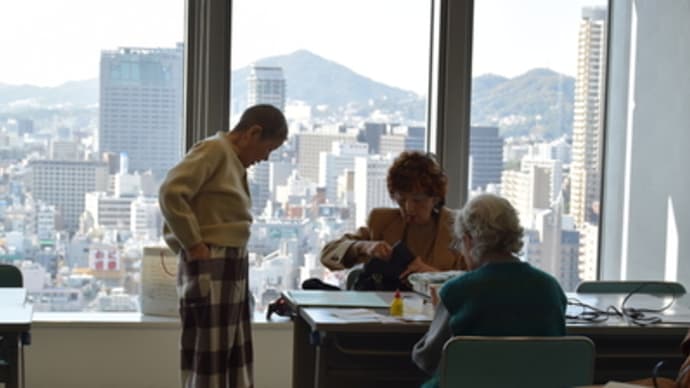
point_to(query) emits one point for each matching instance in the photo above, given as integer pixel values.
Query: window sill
(135, 320)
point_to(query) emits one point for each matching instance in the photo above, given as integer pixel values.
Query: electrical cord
(589, 313)
(637, 316)
(655, 373)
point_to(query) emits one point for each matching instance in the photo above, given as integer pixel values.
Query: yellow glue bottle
(396, 309)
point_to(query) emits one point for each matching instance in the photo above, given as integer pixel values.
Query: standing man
(206, 204)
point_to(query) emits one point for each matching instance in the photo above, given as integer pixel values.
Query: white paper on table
(362, 315)
(356, 314)
(417, 318)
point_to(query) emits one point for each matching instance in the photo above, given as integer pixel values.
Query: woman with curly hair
(417, 183)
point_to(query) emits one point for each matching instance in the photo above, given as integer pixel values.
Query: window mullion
(207, 68)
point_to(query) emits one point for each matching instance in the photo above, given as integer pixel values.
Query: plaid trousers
(216, 341)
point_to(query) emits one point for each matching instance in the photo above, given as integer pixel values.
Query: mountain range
(539, 101)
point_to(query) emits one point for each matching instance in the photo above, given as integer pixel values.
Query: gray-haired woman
(500, 295)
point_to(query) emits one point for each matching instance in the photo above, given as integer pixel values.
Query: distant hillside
(317, 80)
(538, 102)
(70, 93)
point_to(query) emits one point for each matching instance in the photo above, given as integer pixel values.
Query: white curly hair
(492, 223)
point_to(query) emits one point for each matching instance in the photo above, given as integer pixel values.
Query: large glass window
(90, 120)
(352, 78)
(538, 87)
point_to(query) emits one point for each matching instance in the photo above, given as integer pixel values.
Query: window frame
(207, 91)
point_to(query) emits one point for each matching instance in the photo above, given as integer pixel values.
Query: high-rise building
(371, 188)
(25, 126)
(536, 186)
(528, 190)
(45, 221)
(64, 150)
(140, 110)
(402, 138)
(109, 212)
(258, 180)
(332, 164)
(589, 247)
(63, 184)
(371, 134)
(486, 153)
(310, 144)
(588, 117)
(552, 245)
(266, 86)
(146, 222)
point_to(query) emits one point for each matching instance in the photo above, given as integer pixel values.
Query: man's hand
(199, 252)
(378, 249)
(417, 265)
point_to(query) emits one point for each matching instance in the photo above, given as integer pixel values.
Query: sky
(48, 42)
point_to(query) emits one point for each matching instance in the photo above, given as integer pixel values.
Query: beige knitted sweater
(205, 198)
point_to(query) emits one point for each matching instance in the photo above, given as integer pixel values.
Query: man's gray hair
(493, 224)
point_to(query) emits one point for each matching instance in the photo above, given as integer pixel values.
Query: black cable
(655, 373)
(592, 314)
(637, 316)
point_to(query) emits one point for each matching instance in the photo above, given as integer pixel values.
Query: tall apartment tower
(486, 152)
(266, 86)
(588, 117)
(371, 190)
(552, 245)
(530, 189)
(141, 106)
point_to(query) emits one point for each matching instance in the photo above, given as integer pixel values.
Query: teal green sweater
(498, 299)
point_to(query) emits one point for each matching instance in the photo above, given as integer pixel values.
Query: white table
(332, 352)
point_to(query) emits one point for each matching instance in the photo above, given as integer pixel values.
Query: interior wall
(659, 216)
(646, 222)
(112, 356)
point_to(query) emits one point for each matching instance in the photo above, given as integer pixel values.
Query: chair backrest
(533, 362)
(10, 276)
(627, 286)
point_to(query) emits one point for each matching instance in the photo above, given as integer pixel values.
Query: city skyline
(72, 47)
(93, 233)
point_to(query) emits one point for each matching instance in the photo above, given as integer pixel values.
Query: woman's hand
(378, 249)
(199, 252)
(417, 265)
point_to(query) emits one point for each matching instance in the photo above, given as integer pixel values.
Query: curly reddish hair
(414, 171)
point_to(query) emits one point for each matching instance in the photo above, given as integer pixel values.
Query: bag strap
(165, 268)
